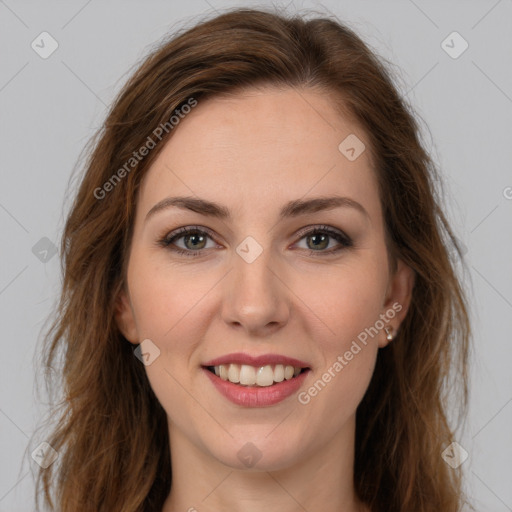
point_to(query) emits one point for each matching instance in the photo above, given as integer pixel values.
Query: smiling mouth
(262, 376)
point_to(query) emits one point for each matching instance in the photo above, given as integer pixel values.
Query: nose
(256, 298)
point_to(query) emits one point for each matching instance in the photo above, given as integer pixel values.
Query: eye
(319, 238)
(195, 240)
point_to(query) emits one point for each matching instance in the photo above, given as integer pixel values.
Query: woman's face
(257, 283)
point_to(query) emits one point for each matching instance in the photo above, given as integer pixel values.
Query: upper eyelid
(320, 227)
(184, 231)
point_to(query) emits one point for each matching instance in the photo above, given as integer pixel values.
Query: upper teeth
(250, 375)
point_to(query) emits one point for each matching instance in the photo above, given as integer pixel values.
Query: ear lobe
(399, 295)
(125, 318)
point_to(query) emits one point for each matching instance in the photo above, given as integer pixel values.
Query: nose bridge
(255, 294)
(252, 264)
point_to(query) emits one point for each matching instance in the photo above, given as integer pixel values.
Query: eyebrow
(291, 209)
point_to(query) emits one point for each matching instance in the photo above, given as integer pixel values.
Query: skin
(252, 152)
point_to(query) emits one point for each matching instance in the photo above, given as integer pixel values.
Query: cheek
(348, 350)
(348, 300)
(166, 298)
(349, 305)
(168, 306)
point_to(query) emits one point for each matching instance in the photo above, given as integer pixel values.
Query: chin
(257, 452)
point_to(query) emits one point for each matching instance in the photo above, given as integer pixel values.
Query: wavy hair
(110, 430)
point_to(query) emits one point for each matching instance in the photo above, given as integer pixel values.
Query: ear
(125, 317)
(398, 298)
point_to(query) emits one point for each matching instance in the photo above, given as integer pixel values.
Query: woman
(258, 310)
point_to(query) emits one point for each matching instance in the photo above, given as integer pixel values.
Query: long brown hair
(110, 430)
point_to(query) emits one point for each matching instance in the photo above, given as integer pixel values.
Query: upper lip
(257, 361)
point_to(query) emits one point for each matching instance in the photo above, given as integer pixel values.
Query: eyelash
(170, 238)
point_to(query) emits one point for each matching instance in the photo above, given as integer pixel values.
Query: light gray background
(50, 107)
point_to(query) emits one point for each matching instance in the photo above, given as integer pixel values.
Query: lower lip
(256, 396)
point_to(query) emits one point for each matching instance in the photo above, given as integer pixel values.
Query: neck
(320, 480)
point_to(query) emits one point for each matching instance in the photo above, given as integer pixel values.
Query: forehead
(258, 148)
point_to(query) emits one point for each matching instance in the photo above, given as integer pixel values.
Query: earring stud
(389, 333)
